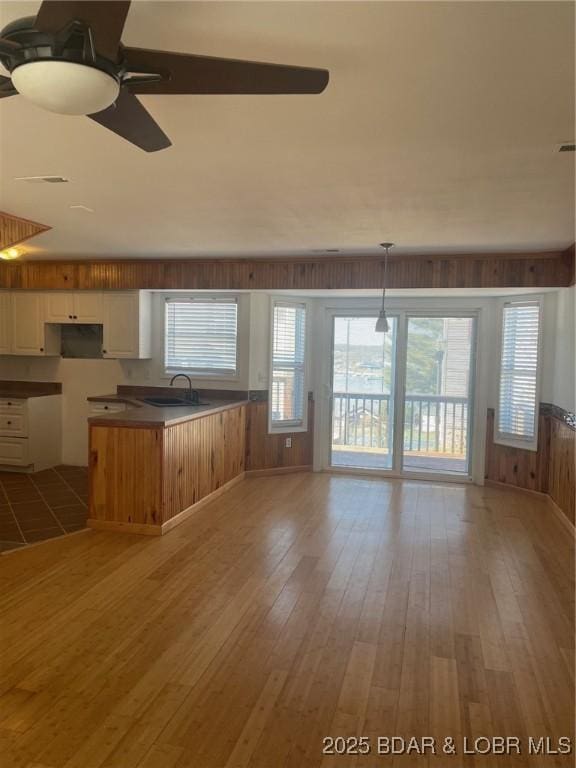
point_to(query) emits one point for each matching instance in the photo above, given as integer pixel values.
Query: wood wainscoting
(268, 454)
(550, 469)
(146, 480)
(488, 270)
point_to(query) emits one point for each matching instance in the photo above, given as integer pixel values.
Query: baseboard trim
(141, 529)
(546, 496)
(568, 524)
(277, 470)
(189, 511)
(510, 487)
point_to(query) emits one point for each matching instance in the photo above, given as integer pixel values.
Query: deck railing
(432, 423)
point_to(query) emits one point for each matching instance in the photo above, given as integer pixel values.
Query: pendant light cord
(385, 277)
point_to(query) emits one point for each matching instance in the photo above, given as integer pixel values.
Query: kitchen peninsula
(150, 467)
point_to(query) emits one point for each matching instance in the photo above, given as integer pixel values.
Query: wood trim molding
(508, 270)
(186, 513)
(568, 524)
(159, 530)
(277, 471)
(15, 230)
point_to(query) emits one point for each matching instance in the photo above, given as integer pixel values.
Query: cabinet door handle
(8, 422)
(41, 349)
(69, 317)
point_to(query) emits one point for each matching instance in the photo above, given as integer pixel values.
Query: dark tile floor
(35, 507)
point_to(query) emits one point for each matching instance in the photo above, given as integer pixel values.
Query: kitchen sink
(162, 402)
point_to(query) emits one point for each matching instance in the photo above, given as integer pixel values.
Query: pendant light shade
(382, 322)
(382, 325)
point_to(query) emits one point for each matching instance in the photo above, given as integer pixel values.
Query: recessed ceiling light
(9, 254)
(43, 179)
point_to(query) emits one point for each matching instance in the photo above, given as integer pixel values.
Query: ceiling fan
(70, 59)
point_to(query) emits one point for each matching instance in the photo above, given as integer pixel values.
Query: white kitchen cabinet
(127, 324)
(5, 323)
(30, 336)
(65, 307)
(103, 408)
(31, 432)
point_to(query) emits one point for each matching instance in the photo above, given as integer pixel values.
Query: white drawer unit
(13, 452)
(102, 408)
(13, 425)
(31, 432)
(12, 405)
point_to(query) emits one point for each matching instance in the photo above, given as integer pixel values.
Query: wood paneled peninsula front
(151, 467)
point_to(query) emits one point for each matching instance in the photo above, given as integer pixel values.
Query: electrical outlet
(288, 442)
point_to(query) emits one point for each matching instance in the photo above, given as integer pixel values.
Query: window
(517, 417)
(288, 392)
(201, 336)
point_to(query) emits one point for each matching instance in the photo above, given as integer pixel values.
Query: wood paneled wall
(549, 470)
(14, 230)
(561, 477)
(266, 452)
(125, 470)
(142, 478)
(545, 269)
(201, 456)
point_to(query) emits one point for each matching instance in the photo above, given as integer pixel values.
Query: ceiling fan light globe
(66, 87)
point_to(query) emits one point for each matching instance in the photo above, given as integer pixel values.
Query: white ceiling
(437, 131)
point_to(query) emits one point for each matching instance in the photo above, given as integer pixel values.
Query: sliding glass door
(363, 382)
(437, 399)
(402, 401)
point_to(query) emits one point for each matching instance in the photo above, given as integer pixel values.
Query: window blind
(288, 362)
(201, 335)
(517, 405)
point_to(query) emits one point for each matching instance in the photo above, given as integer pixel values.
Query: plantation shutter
(201, 335)
(288, 359)
(518, 406)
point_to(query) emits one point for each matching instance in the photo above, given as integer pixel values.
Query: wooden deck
(381, 460)
(290, 609)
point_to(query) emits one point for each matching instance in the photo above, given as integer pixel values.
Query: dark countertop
(115, 399)
(153, 417)
(24, 390)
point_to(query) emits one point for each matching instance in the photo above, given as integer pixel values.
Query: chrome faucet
(192, 394)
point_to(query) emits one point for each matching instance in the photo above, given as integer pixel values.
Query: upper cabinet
(30, 321)
(68, 307)
(5, 323)
(127, 324)
(29, 335)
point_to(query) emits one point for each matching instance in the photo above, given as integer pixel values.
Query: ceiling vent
(567, 148)
(43, 179)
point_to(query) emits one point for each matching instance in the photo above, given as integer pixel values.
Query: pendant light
(382, 325)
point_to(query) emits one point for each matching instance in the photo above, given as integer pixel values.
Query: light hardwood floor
(289, 609)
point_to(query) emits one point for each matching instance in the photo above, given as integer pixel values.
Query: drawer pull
(8, 422)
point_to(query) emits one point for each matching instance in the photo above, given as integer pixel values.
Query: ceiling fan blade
(129, 119)
(105, 18)
(187, 73)
(6, 87)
